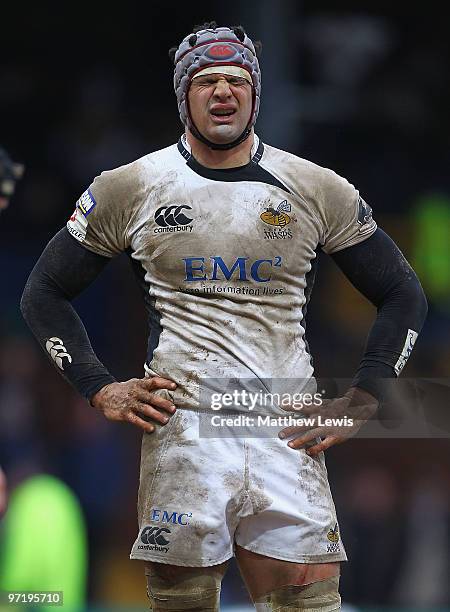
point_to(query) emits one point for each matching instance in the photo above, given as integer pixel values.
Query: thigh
(185, 495)
(171, 574)
(292, 516)
(175, 587)
(263, 574)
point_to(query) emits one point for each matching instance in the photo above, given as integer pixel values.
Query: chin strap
(220, 147)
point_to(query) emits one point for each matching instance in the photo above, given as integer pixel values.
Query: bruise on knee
(173, 588)
(320, 596)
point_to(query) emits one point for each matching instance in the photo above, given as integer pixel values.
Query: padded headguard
(215, 47)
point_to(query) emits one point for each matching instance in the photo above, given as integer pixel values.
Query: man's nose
(222, 89)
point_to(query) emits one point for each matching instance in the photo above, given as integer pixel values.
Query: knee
(171, 587)
(320, 596)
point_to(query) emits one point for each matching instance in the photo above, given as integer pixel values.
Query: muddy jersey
(226, 257)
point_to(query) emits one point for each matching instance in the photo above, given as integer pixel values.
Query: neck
(211, 158)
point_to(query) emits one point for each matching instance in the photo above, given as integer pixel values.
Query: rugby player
(222, 231)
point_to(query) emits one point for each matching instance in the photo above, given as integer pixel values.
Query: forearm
(62, 272)
(379, 271)
(391, 339)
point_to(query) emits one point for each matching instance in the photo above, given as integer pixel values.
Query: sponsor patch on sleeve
(77, 225)
(411, 338)
(364, 212)
(86, 203)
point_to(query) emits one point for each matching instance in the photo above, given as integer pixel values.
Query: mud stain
(233, 481)
(260, 500)
(311, 480)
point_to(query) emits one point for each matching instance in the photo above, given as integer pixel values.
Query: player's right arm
(69, 264)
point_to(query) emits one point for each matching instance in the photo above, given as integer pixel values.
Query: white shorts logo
(57, 351)
(411, 338)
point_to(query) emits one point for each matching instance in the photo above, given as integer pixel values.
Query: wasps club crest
(333, 534)
(277, 216)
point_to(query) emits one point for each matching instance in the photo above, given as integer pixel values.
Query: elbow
(25, 300)
(422, 302)
(406, 303)
(32, 298)
(416, 302)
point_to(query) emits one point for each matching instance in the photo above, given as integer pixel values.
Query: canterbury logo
(172, 216)
(57, 351)
(220, 52)
(153, 535)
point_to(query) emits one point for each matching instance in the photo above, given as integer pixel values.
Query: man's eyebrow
(215, 77)
(204, 77)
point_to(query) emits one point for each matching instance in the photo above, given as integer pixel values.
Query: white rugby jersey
(225, 256)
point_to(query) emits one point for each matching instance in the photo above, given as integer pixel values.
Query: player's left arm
(377, 269)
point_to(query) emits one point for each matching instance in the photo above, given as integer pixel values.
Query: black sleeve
(377, 269)
(64, 269)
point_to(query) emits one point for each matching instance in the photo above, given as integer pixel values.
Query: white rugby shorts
(199, 496)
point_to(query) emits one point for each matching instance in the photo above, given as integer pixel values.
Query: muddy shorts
(198, 496)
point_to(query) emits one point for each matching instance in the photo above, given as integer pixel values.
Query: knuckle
(131, 393)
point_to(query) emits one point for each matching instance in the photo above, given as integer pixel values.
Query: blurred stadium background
(360, 87)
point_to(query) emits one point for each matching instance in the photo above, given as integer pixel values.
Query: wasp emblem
(277, 216)
(333, 534)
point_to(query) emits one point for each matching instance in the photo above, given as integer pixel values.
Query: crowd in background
(365, 94)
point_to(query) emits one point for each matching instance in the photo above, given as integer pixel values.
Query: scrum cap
(215, 47)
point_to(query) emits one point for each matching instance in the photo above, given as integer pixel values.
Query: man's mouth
(222, 114)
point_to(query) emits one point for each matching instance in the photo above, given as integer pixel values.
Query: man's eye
(203, 82)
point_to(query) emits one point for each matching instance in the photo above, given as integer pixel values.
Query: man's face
(220, 106)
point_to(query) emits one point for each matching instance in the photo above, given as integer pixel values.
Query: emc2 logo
(177, 518)
(197, 270)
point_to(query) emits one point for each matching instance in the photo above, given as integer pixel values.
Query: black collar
(250, 172)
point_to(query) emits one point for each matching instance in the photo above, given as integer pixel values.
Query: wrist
(361, 396)
(96, 399)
